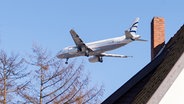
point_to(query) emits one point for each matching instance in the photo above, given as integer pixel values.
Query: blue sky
(47, 23)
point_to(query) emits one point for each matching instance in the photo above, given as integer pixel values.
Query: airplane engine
(72, 50)
(95, 59)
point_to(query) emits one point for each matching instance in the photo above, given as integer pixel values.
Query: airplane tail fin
(131, 32)
(133, 28)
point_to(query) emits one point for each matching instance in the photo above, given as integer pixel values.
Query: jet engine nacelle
(93, 59)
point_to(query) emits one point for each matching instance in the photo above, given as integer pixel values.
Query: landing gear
(66, 62)
(83, 49)
(87, 53)
(100, 59)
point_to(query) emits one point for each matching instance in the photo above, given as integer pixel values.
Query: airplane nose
(58, 55)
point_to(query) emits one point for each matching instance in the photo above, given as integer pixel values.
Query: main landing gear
(87, 53)
(100, 59)
(83, 49)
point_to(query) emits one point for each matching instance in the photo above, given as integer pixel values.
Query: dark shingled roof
(140, 88)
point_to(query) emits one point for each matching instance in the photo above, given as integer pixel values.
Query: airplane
(97, 49)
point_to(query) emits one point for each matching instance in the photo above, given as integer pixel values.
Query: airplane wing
(114, 55)
(79, 43)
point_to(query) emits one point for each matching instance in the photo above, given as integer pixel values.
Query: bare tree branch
(11, 71)
(58, 83)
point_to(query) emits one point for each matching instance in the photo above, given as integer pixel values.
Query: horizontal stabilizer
(141, 40)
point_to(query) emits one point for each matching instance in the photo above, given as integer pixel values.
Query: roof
(142, 86)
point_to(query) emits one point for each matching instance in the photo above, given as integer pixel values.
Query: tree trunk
(41, 85)
(4, 93)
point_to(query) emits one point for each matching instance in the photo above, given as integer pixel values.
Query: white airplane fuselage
(97, 47)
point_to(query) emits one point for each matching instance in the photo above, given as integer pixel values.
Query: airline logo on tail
(134, 26)
(131, 32)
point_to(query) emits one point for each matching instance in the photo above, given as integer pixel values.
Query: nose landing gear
(66, 62)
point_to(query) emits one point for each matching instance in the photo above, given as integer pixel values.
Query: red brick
(157, 35)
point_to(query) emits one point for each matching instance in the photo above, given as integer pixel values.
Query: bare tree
(11, 72)
(57, 83)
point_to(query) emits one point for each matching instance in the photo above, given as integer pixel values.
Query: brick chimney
(157, 35)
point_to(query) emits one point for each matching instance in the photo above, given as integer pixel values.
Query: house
(161, 80)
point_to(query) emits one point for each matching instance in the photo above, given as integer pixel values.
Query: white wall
(175, 94)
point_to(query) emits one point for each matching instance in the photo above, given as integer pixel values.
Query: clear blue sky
(47, 22)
